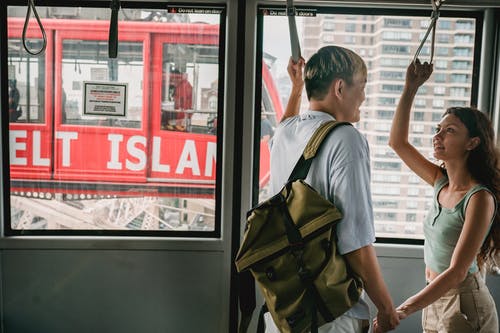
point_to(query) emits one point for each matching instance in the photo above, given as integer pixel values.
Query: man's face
(354, 96)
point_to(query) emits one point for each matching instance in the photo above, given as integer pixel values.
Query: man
(335, 80)
(14, 96)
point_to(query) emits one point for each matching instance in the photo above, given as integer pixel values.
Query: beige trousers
(466, 309)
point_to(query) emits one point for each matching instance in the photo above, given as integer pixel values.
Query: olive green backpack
(289, 246)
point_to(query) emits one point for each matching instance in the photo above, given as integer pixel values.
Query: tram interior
(126, 181)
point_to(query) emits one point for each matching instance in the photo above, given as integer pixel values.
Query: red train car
(146, 121)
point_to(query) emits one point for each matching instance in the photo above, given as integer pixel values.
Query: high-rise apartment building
(388, 44)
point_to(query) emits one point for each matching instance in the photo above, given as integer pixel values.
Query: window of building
(383, 114)
(439, 90)
(384, 178)
(350, 39)
(440, 77)
(395, 49)
(436, 116)
(462, 51)
(420, 102)
(441, 51)
(442, 38)
(441, 64)
(463, 39)
(459, 78)
(443, 24)
(438, 103)
(390, 75)
(418, 128)
(418, 116)
(399, 23)
(412, 204)
(413, 191)
(386, 101)
(328, 26)
(414, 179)
(458, 92)
(392, 88)
(350, 27)
(461, 64)
(396, 35)
(464, 25)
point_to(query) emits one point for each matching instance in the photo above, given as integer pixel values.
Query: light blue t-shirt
(340, 172)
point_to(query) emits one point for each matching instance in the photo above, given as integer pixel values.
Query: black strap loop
(31, 6)
(436, 5)
(113, 29)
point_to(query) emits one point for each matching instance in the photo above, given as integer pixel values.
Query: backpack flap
(266, 236)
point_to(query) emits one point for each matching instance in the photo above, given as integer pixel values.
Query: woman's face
(452, 140)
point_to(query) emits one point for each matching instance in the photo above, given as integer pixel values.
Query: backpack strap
(304, 163)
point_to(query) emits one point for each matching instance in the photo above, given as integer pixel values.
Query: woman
(462, 228)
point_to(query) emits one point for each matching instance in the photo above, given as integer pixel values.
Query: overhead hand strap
(292, 26)
(31, 6)
(436, 5)
(113, 29)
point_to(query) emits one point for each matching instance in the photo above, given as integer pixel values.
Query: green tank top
(442, 228)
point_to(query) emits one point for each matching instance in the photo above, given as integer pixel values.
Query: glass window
(459, 92)
(439, 90)
(396, 35)
(418, 116)
(438, 103)
(461, 64)
(459, 78)
(350, 39)
(441, 64)
(393, 62)
(462, 51)
(387, 62)
(392, 88)
(390, 75)
(350, 27)
(382, 114)
(394, 22)
(442, 38)
(420, 102)
(395, 49)
(444, 24)
(464, 39)
(440, 77)
(94, 150)
(464, 25)
(85, 61)
(27, 80)
(441, 51)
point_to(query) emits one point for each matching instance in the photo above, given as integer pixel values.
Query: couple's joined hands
(385, 321)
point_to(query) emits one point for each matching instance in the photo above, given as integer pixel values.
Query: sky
(277, 40)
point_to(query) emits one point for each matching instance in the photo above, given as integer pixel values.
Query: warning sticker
(108, 99)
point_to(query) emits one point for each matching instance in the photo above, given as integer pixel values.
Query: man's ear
(338, 87)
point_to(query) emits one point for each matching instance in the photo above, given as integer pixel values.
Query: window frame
(474, 85)
(218, 184)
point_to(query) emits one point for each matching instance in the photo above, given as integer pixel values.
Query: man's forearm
(365, 264)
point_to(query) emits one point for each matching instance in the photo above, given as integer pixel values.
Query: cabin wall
(82, 290)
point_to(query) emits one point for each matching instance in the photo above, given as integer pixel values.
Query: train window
(116, 146)
(26, 82)
(394, 38)
(86, 61)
